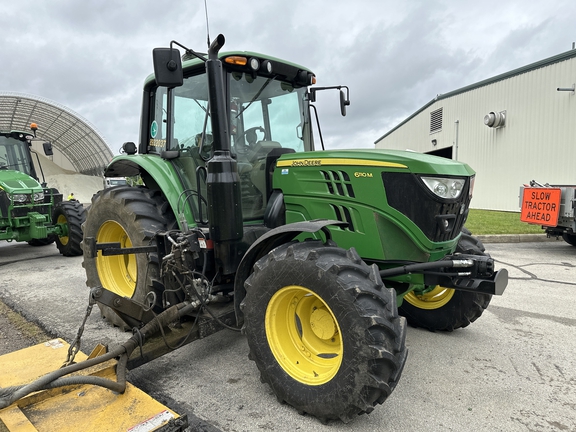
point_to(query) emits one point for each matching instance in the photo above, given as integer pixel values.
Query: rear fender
(267, 242)
(157, 174)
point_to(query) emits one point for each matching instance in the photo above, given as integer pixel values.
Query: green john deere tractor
(30, 211)
(316, 253)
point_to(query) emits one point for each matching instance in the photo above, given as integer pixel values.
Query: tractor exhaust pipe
(216, 94)
(223, 181)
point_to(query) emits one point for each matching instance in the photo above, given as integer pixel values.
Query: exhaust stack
(223, 181)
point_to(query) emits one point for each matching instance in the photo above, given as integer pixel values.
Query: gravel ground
(513, 370)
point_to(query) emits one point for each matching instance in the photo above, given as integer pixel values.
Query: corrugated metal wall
(538, 141)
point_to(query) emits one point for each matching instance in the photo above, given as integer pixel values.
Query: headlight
(254, 63)
(19, 198)
(38, 196)
(448, 188)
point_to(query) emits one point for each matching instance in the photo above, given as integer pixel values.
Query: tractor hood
(14, 181)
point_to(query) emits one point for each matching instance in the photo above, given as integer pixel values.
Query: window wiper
(256, 96)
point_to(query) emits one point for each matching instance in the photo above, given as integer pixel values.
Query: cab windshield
(266, 116)
(14, 155)
(273, 110)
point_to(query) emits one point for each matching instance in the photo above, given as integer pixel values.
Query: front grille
(23, 211)
(4, 203)
(406, 193)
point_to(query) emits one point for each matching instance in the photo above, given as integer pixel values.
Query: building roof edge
(518, 71)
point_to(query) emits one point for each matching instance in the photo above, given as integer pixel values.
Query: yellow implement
(79, 407)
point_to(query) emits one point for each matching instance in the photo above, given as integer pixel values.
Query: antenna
(207, 25)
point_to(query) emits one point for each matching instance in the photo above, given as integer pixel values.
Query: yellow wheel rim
(433, 299)
(62, 220)
(304, 335)
(117, 272)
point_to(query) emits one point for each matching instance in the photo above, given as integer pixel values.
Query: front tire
(446, 309)
(323, 330)
(41, 242)
(130, 216)
(71, 214)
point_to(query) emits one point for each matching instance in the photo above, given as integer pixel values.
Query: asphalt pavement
(514, 369)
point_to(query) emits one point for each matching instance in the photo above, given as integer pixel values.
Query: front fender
(265, 244)
(158, 174)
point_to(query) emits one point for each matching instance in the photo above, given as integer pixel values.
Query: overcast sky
(92, 56)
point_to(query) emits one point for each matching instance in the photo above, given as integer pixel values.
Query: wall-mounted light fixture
(495, 119)
(434, 142)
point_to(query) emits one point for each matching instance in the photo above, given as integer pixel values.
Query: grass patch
(27, 329)
(499, 222)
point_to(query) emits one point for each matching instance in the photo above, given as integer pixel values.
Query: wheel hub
(117, 272)
(62, 220)
(322, 324)
(303, 335)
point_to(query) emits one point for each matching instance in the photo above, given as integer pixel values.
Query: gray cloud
(93, 56)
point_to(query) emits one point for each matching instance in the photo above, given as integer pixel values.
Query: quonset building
(76, 143)
(512, 128)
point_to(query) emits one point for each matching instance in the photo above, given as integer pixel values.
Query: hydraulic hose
(9, 395)
(420, 267)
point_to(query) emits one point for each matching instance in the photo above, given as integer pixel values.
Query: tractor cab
(15, 153)
(267, 116)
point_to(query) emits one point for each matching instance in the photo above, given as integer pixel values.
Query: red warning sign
(541, 206)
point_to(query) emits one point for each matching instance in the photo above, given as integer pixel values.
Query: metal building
(512, 128)
(77, 144)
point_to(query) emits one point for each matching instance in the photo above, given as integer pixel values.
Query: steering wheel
(249, 136)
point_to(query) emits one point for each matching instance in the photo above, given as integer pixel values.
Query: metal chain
(75, 345)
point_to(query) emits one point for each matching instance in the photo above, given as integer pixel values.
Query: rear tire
(446, 309)
(73, 214)
(130, 216)
(569, 238)
(323, 330)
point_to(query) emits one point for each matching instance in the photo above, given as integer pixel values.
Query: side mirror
(47, 148)
(344, 102)
(167, 67)
(129, 148)
(344, 97)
